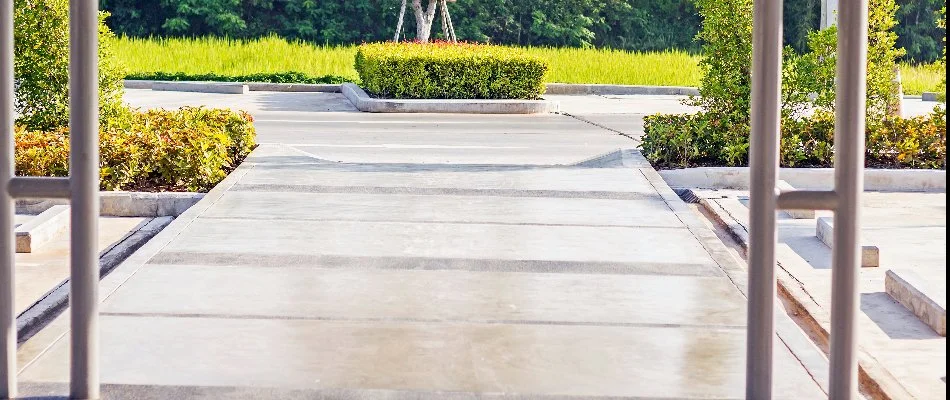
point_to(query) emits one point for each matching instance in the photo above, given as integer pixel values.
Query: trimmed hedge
(190, 149)
(449, 71)
(275, 77)
(686, 140)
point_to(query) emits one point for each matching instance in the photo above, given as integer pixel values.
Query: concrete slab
(426, 357)
(271, 171)
(367, 295)
(442, 240)
(444, 208)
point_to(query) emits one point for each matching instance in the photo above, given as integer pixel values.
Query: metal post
(763, 164)
(84, 203)
(849, 184)
(7, 246)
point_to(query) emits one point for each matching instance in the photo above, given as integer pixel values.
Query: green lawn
(568, 65)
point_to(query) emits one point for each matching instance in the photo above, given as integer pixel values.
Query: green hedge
(190, 149)
(449, 71)
(686, 140)
(275, 77)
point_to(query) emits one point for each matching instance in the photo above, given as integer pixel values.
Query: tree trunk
(424, 19)
(402, 15)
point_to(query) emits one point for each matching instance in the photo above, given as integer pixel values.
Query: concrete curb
(201, 87)
(56, 300)
(39, 230)
(874, 379)
(929, 96)
(607, 90)
(365, 103)
(124, 204)
(914, 294)
(884, 180)
(251, 86)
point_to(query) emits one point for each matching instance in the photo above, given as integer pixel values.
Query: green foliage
(276, 77)
(187, 149)
(808, 80)
(449, 71)
(917, 31)
(41, 65)
(622, 24)
(882, 57)
(673, 141)
(229, 59)
(725, 89)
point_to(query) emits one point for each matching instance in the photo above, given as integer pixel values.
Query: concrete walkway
(412, 256)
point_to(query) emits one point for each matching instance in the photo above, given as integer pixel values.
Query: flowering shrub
(191, 149)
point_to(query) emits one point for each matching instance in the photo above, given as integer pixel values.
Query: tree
(41, 65)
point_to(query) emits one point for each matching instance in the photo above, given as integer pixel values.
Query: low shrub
(450, 71)
(191, 149)
(679, 141)
(276, 77)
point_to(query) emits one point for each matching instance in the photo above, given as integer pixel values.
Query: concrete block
(928, 96)
(202, 87)
(870, 255)
(913, 292)
(41, 229)
(797, 214)
(365, 103)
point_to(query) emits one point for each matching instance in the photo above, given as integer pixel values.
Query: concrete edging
(251, 86)
(619, 90)
(201, 87)
(365, 103)
(124, 204)
(885, 180)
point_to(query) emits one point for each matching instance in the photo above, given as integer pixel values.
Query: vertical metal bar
(7, 249)
(84, 203)
(849, 184)
(763, 163)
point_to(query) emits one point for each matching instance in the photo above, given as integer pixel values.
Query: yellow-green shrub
(449, 71)
(891, 142)
(191, 148)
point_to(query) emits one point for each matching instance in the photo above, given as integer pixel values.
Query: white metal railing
(82, 188)
(844, 200)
